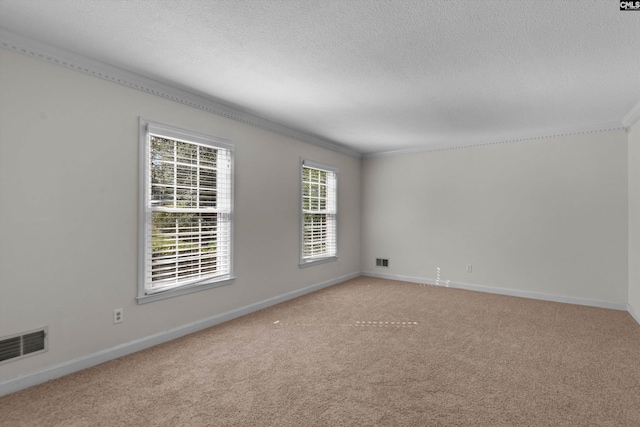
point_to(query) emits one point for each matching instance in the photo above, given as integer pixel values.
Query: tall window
(187, 223)
(319, 213)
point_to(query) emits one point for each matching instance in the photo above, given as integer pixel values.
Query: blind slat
(189, 205)
(319, 194)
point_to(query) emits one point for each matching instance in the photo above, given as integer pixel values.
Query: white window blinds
(188, 209)
(319, 211)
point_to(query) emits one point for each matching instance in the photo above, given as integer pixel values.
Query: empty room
(319, 213)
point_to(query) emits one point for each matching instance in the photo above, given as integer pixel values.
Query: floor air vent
(19, 346)
(381, 262)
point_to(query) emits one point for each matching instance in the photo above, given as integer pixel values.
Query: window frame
(147, 128)
(310, 261)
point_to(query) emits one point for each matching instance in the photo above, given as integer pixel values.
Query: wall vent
(381, 262)
(26, 344)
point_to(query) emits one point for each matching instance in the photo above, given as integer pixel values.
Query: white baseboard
(503, 291)
(399, 277)
(633, 313)
(65, 368)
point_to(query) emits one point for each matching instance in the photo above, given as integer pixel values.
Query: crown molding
(35, 49)
(632, 116)
(581, 130)
(64, 58)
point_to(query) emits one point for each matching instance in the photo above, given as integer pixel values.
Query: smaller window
(319, 213)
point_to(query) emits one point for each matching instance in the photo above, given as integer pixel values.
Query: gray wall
(634, 218)
(541, 217)
(68, 213)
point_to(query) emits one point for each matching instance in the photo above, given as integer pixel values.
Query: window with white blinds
(187, 225)
(319, 213)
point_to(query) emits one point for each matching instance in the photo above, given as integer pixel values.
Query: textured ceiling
(374, 76)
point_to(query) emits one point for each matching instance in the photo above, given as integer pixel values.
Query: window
(318, 213)
(186, 217)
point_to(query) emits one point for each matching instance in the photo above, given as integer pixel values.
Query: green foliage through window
(187, 222)
(319, 213)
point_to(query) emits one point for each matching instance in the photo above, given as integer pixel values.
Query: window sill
(316, 261)
(174, 292)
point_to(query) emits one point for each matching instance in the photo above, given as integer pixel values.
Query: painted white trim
(74, 61)
(633, 313)
(65, 368)
(603, 127)
(148, 127)
(503, 291)
(411, 279)
(83, 64)
(632, 116)
(308, 262)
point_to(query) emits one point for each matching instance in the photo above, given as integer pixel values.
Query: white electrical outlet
(118, 314)
(469, 268)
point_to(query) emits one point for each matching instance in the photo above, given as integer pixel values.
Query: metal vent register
(26, 344)
(382, 262)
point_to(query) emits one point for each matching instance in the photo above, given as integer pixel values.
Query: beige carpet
(368, 352)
